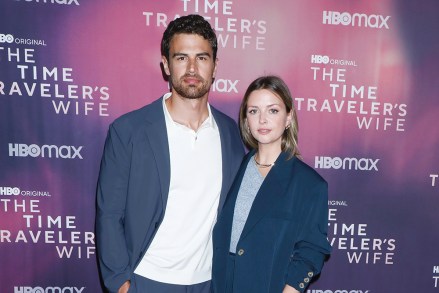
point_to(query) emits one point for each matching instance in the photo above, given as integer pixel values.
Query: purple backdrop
(364, 76)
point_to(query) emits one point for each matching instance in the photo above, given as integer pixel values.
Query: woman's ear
(289, 119)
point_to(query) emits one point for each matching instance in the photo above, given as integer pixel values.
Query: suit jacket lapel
(225, 155)
(226, 217)
(272, 190)
(158, 139)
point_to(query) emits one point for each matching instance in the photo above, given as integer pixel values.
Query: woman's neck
(267, 155)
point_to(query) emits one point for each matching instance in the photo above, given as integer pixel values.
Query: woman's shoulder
(305, 171)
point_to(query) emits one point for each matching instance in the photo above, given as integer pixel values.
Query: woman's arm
(312, 249)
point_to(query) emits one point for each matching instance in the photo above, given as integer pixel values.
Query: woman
(271, 235)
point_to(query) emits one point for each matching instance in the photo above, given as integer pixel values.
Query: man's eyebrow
(185, 54)
(179, 54)
(203, 54)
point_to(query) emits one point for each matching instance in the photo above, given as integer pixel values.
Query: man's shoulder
(139, 116)
(135, 124)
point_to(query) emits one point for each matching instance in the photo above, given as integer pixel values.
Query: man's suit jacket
(284, 240)
(134, 182)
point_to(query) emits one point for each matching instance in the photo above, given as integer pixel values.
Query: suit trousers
(140, 284)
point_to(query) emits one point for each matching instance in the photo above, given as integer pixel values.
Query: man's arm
(111, 199)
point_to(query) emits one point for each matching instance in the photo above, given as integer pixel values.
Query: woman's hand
(289, 289)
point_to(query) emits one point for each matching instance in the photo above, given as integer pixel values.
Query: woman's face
(267, 117)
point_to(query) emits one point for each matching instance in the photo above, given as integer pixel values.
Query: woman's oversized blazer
(284, 240)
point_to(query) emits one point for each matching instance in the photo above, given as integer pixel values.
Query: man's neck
(189, 112)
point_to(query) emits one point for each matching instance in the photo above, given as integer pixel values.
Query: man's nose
(192, 65)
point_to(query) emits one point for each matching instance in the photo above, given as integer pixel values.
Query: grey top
(251, 182)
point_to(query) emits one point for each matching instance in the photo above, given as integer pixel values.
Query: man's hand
(124, 288)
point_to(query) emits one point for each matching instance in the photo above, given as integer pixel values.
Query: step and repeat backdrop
(364, 78)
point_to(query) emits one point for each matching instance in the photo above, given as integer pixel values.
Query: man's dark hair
(189, 24)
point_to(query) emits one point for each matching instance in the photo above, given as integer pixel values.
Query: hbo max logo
(225, 86)
(362, 164)
(6, 38)
(25, 289)
(356, 19)
(45, 151)
(338, 291)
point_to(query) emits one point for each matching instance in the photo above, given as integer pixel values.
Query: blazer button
(306, 280)
(301, 285)
(310, 274)
(240, 252)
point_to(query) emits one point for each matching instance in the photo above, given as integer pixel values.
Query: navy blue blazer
(134, 182)
(284, 240)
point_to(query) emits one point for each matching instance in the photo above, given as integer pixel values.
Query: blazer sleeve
(111, 198)
(313, 248)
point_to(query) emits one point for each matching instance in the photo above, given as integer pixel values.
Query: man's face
(191, 67)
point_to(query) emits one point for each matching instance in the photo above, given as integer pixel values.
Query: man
(165, 173)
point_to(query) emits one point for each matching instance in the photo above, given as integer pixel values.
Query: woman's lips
(264, 131)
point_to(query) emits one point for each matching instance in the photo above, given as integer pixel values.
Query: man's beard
(191, 91)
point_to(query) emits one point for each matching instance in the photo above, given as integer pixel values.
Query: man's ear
(165, 65)
(214, 69)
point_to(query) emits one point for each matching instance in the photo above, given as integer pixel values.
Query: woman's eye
(274, 111)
